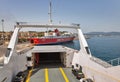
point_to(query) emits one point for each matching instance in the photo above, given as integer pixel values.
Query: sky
(92, 15)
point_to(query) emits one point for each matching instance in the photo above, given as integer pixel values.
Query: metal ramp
(53, 75)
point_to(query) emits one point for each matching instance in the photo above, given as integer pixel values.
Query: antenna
(50, 12)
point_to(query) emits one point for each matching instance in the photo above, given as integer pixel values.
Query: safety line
(46, 75)
(64, 75)
(29, 74)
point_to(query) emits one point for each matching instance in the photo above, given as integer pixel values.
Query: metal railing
(101, 62)
(114, 62)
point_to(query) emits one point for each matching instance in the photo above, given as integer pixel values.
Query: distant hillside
(104, 33)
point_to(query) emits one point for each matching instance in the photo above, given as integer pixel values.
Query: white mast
(50, 12)
(50, 15)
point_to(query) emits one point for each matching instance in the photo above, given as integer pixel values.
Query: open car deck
(52, 75)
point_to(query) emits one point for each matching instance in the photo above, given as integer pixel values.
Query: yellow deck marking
(64, 75)
(46, 75)
(29, 74)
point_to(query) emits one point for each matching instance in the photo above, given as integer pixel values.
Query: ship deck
(57, 71)
(52, 75)
(49, 70)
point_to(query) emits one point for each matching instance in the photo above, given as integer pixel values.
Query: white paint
(91, 68)
(12, 45)
(83, 42)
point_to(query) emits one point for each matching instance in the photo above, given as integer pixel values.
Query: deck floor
(54, 75)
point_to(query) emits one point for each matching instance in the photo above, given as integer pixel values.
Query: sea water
(105, 47)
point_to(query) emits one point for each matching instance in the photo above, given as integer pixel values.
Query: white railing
(101, 62)
(114, 62)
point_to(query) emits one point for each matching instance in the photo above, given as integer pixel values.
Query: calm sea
(105, 48)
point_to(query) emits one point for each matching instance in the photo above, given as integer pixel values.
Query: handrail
(114, 62)
(101, 62)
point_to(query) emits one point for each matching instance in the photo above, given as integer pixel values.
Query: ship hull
(57, 40)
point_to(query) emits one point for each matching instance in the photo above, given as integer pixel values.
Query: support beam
(11, 46)
(83, 43)
(46, 26)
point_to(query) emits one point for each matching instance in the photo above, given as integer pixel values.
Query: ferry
(53, 63)
(54, 38)
(50, 63)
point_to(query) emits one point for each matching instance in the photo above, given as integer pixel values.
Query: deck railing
(114, 62)
(101, 62)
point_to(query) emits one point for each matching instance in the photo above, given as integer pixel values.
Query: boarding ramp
(52, 75)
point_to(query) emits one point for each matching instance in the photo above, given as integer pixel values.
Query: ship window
(87, 50)
(8, 52)
(28, 58)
